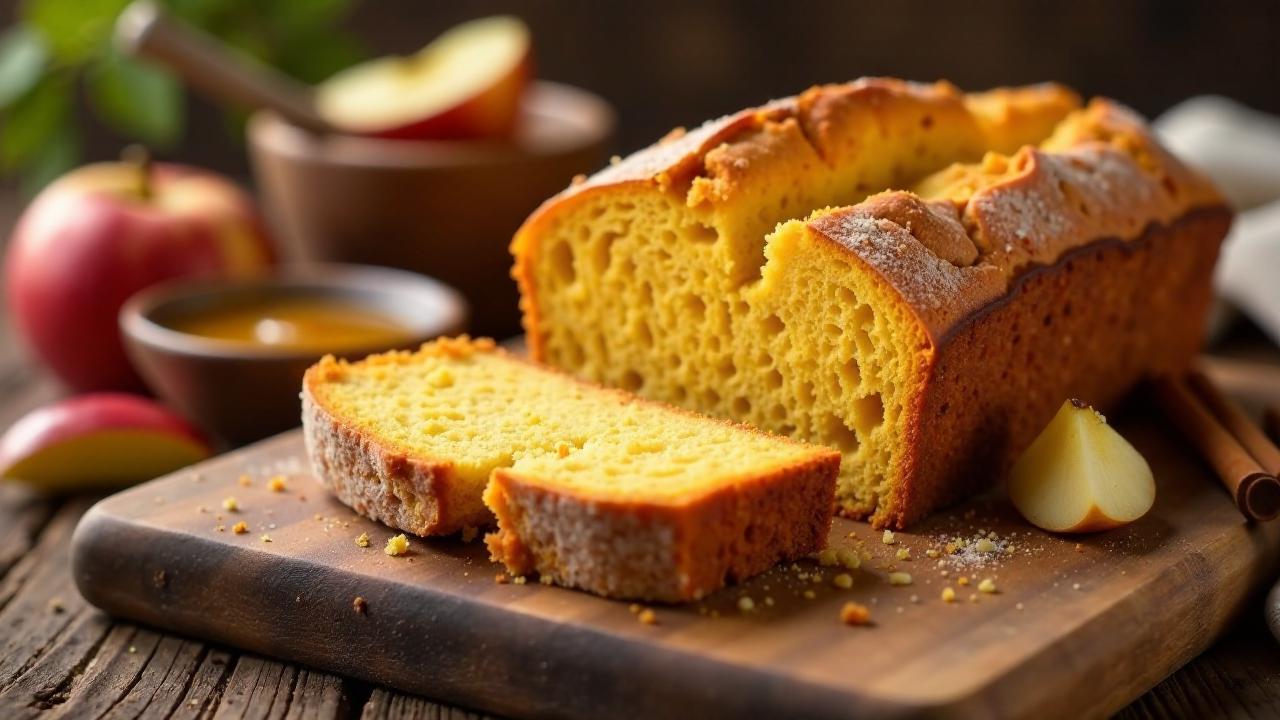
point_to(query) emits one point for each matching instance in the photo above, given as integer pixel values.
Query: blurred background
(665, 62)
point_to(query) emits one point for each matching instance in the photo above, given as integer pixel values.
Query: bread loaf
(912, 275)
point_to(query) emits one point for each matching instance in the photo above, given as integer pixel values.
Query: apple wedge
(100, 440)
(467, 84)
(1080, 475)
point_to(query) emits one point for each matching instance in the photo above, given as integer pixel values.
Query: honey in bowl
(303, 324)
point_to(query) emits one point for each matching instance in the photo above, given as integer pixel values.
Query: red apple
(103, 232)
(98, 440)
(465, 85)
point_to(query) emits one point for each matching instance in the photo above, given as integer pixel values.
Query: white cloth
(1240, 149)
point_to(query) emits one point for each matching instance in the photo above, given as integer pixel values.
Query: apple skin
(98, 440)
(491, 115)
(90, 240)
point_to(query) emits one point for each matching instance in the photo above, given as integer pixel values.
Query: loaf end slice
(749, 515)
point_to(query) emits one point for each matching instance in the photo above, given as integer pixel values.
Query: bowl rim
(448, 311)
(594, 117)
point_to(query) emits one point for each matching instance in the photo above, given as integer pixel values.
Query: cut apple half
(1080, 475)
(465, 85)
(99, 440)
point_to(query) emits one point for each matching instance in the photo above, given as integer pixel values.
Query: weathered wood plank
(261, 689)
(391, 705)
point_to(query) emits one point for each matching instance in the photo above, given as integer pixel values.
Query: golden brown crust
(663, 553)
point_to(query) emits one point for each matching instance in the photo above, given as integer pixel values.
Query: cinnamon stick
(1256, 492)
(1233, 417)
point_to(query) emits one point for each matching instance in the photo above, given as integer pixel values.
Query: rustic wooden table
(62, 658)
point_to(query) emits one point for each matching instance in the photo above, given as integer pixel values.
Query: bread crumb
(904, 554)
(899, 578)
(827, 557)
(56, 606)
(887, 538)
(635, 608)
(843, 581)
(244, 480)
(973, 597)
(746, 604)
(1075, 586)
(849, 558)
(855, 614)
(230, 504)
(962, 580)
(987, 586)
(363, 540)
(808, 595)
(277, 483)
(397, 545)
(931, 553)
(545, 579)
(520, 580)
(1018, 606)
(501, 579)
(265, 538)
(1079, 547)
(469, 533)
(240, 528)
(647, 616)
(984, 546)
(360, 605)
(948, 595)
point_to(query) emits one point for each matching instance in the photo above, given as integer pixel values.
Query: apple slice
(465, 85)
(1080, 475)
(96, 441)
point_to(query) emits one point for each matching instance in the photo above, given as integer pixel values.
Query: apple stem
(140, 157)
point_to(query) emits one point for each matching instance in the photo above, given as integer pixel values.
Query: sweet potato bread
(990, 255)
(592, 487)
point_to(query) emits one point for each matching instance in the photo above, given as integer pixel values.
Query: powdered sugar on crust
(1108, 180)
(940, 293)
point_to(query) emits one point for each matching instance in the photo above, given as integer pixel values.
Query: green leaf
(34, 120)
(73, 29)
(52, 160)
(136, 99)
(22, 58)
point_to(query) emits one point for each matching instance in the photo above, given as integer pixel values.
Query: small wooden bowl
(240, 392)
(443, 208)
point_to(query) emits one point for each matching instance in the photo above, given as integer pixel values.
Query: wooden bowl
(447, 209)
(240, 392)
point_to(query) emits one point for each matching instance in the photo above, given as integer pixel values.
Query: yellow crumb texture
(363, 540)
(397, 545)
(502, 412)
(277, 483)
(240, 528)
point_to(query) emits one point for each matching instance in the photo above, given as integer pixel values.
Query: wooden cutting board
(1075, 630)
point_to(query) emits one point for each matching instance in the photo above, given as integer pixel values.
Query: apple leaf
(137, 99)
(73, 30)
(34, 120)
(22, 59)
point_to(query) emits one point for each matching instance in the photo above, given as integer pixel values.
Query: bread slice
(914, 275)
(592, 487)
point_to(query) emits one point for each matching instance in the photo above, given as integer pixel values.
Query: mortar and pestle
(444, 208)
